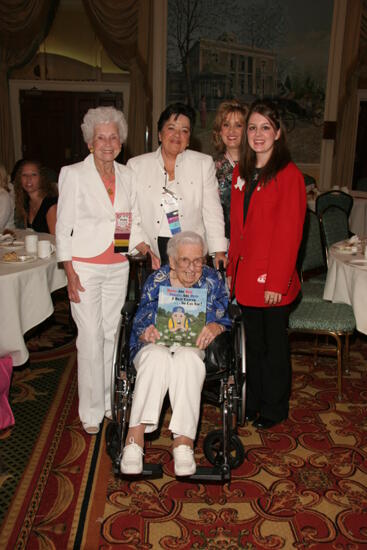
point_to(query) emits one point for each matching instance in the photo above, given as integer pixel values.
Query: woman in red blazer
(268, 204)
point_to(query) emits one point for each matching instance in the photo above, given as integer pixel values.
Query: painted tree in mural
(188, 21)
(185, 24)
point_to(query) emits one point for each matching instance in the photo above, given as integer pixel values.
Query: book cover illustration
(181, 315)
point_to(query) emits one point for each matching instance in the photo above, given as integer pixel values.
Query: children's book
(181, 315)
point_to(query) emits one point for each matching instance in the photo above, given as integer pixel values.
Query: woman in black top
(35, 198)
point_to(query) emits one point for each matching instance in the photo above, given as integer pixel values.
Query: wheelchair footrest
(154, 471)
(216, 473)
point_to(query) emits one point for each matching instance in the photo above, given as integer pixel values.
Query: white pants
(96, 317)
(182, 373)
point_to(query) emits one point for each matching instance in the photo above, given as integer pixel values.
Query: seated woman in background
(35, 197)
(177, 369)
(6, 201)
(228, 131)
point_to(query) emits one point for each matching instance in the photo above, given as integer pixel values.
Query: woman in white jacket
(177, 189)
(98, 221)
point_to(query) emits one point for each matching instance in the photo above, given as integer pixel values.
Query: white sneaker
(185, 464)
(132, 458)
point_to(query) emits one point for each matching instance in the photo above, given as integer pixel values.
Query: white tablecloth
(358, 215)
(25, 298)
(346, 282)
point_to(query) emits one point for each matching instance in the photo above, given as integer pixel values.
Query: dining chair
(335, 198)
(311, 260)
(324, 319)
(361, 184)
(309, 180)
(334, 225)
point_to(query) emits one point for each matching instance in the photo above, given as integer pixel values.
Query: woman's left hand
(272, 298)
(220, 257)
(208, 333)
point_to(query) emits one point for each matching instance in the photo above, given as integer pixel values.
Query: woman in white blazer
(177, 189)
(98, 220)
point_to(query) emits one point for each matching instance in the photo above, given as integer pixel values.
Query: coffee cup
(30, 243)
(45, 249)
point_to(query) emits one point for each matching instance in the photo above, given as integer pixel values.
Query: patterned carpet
(303, 484)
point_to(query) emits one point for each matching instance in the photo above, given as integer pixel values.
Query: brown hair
(47, 188)
(280, 155)
(224, 109)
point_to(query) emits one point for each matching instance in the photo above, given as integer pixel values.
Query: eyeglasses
(197, 263)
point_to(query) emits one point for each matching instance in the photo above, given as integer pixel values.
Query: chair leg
(346, 354)
(316, 345)
(339, 357)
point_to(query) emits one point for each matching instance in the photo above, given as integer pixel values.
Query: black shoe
(251, 415)
(265, 423)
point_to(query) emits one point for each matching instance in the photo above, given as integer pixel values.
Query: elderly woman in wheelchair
(178, 369)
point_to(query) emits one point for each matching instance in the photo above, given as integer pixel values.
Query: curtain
(124, 28)
(344, 151)
(23, 26)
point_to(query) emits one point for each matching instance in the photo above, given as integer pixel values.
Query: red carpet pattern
(302, 485)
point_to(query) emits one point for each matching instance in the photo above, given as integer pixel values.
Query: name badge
(170, 206)
(122, 231)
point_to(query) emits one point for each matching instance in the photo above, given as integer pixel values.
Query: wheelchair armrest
(129, 308)
(218, 353)
(234, 312)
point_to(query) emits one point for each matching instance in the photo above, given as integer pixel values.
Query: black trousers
(268, 362)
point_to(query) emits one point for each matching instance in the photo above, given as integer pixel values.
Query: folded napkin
(353, 240)
(6, 237)
(349, 246)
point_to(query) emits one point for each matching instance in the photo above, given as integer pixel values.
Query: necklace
(230, 159)
(109, 182)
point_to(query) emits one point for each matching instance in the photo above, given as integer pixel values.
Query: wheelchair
(224, 386)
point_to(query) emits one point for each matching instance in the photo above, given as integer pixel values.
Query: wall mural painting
(246, 49)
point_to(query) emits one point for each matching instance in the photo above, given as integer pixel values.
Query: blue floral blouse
(216, 303)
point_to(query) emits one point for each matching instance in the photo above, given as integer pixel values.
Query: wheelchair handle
(221, 269)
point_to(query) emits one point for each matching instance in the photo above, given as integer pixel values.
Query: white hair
(103, 115)
(182, 238)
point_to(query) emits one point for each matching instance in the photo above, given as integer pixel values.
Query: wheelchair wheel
(116, 365)
(113, 444)
(213, 449)
(240, 372)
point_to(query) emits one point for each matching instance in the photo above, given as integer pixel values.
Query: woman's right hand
(144, 249)
(74, 284)
(150, 335)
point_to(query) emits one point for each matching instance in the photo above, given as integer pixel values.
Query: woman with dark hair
(267, 213)
(177, 189)
(35, 197)
(228, 132)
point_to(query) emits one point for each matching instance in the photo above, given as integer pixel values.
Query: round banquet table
(346, 282)
(25, 296)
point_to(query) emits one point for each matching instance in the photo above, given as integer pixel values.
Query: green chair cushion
(323, 316)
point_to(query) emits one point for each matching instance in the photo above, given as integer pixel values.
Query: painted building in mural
(224, 68)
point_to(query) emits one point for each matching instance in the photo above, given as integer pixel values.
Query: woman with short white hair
(98, 221)
(178, 369)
